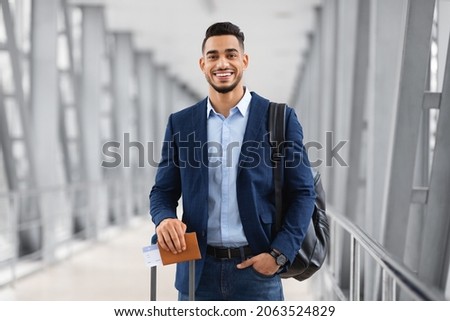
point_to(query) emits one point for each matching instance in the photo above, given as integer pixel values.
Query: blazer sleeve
(298, 190)
(166, 191)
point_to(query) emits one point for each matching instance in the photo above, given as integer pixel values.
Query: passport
(192, 251)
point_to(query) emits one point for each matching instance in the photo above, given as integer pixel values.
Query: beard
(226, 89)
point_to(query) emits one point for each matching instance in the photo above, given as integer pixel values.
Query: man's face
(223, 62)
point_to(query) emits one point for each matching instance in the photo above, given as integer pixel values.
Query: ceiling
(276, 36)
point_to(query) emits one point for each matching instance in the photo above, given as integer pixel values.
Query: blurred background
(86, 88)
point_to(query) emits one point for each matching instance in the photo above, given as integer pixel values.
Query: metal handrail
(45, 255)
(51, 189)
(393, 271)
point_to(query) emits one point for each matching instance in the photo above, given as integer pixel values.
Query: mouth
(223, 75)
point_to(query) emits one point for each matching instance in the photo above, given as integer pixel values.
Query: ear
(245, 61)
(201, 63)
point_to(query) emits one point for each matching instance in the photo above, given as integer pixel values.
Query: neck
(223, 103)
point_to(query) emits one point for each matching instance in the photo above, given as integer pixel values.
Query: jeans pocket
(259, 274)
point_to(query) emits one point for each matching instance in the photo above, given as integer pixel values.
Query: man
(217, 156)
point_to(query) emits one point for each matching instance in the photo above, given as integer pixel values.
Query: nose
(222, 63)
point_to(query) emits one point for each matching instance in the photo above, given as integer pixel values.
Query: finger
(170, 233)
(162, 244)
(245, 264)
(161, 241)
(176, 241)
(162, 232)
(176, 231)
(181, 230)
(168, 239)
(165, 232)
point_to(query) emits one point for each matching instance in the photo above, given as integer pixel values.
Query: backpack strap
(277, 116)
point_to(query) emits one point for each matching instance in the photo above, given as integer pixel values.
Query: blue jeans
(221, 280)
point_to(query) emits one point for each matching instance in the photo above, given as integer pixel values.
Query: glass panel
(2, 28)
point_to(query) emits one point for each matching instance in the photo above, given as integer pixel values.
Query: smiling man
(223, 62)
(228, 195)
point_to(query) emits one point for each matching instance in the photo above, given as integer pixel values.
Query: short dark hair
(222, 29)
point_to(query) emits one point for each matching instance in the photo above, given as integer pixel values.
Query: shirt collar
(242, 105)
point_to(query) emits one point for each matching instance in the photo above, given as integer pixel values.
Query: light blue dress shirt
(225, 136)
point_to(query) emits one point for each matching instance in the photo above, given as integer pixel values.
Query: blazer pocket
(266, 220)
(265, 216)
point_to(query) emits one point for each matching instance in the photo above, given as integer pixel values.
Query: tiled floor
(110, 270)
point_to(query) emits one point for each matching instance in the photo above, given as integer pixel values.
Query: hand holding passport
(192, 251)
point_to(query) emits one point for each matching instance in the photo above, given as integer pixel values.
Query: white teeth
(223, 75)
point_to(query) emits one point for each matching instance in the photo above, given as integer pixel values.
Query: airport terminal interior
(87, 86)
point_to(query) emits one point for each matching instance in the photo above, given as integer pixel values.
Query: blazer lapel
(257, 111)
(198, 121)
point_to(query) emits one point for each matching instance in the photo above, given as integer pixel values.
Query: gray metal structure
(371, 89)
(388, 184)
(18, 148)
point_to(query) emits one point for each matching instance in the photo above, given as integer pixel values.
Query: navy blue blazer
(183, 172)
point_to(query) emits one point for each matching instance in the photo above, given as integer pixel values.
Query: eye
(211, 57)
(232, 55)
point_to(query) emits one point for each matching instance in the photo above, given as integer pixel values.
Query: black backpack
(314, 248)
